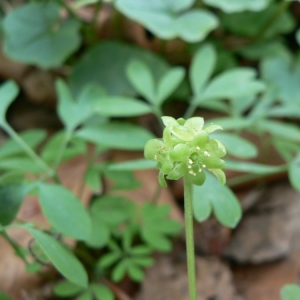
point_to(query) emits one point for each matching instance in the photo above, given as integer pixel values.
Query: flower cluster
(186, 149)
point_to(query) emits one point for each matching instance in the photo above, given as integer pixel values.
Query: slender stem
(10, 131)
(95, 19)
(190, 249)
(67, 137)
(283, 5)
(16, 247)
(158, 113)
(190, 111)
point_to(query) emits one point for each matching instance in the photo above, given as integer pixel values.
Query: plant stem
(61, 151)
(10, 131)
(189, 231)
(158, 113)
(190, 110)
(283, 5)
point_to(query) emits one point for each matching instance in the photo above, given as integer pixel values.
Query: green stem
(158, 113)
(10, 131)
(67, 138)
(190, 110)
(95, 20)
(190, 249)
(16, 247)
(283, 5)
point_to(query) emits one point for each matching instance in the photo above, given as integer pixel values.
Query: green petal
(167, 165)
(216, 147)
(197, 179)
(169, 121)
(151, 148)
(178, 171)
(219, 174)
(180, 152)
(214, 162)
(161, 179)
(183, 133)
(195, 123)
(200, 139)
(212, 128)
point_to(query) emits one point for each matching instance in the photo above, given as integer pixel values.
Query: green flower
(186, 149)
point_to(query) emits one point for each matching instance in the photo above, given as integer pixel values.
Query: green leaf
(202, 67)
(102, 292)
(242, 79)
(194, 25)
(288, 111)
(117, 106)
(202, 207)
(100, 233)
(62, 258)
(112, 210)
(92, 179)
(107, 260)
(157, 227)
(113, 57)
(131, 165)
(169, 83)
(8, 92)
(290, 292)
(294, 173)
(35, 34)
(287, 149)
(140, 76)
(64, 211)
(116, 135)
(277, 128)
(87, 295)
(74, 113)
(11, 198)
(250, 23)
(120, 270)
(22, 164)
(282, 71)
(218, 197)
(169, 20)
(31, 137)
(235, 145)
(230, 6)
(4, 296)
(229, 123)
(254, 168)
(123, 180)
(135, 272)
(66, 289)
(74, 148)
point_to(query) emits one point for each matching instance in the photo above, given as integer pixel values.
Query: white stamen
(198, 148)
(204, 166)
(206, 153)
(189, 167)
(190, 161)
(155, 157)
(200, 170)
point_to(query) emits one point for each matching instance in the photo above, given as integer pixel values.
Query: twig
(120, 294)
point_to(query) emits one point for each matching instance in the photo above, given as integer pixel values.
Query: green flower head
(186, 149)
